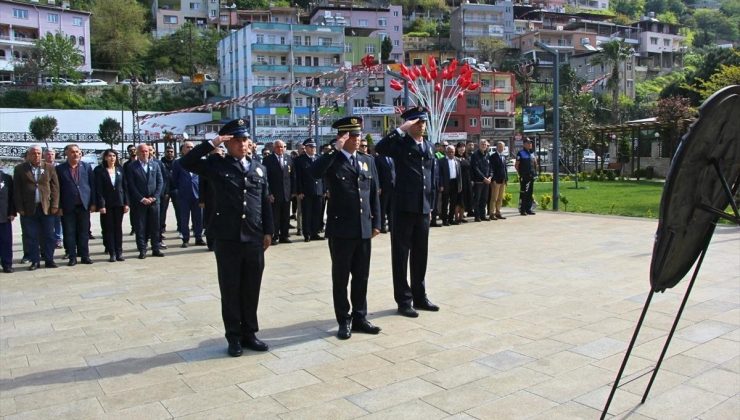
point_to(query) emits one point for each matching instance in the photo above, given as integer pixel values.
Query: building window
(348, 48)
(261, 81)
(306, 40)
(212, 13)
(325, 42)
(473, 101)
(271, 60)
(376, 124)
(52, 18)
(363, 23)
(73, 39)
(298, 101)
(417, 62)
(194, 6)
(327, 61)
(296, 40)
(270, 39)
(499, 105)
(77, 21)
(473, 122)
(395, 13)
(170, 19)
(370, 49)
(485, 82)
(20, 14)
(666, 42)
(396, 43)
(282, 40)
(503, 123)
(260, 59)
(358, 103)
(260, 39)
(283, 60)
(486, 122)
(272, 80)
(382, 22)
(396, 57)
(653, 41)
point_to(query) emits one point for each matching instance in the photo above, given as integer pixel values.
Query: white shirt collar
(348, 155)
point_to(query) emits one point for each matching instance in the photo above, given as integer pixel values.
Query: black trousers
(450, 199)
(312, 215)
(76, 232)
(386, 213)
(281, 216)
(146, 225)
(349, 256)
(409, 247)
(112, 231)
(480, 198)
(208, 212)
(174, 198)
(526, 187)
(240, 268)
(164, 204)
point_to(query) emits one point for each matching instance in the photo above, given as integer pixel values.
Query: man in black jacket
(145, 184)
(279, 173)
(450, 185)
(242, 227)
(481, 175)
(310, 191)
(387, 178)
(413, 201)
(7, 215)
(500, 177)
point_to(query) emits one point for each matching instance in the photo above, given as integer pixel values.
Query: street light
(556, 125)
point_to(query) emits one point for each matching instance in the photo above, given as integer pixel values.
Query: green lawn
(624, 198)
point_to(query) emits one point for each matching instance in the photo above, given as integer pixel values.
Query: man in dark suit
(188, 195)
(242, 227)
(413, 201)
(131, 149)
(480, 168)
(353, 219)
(7, 215)
(279, 173)
(387, 178)
(144, 182)
(450, 185)
(310, 192)
(77, 200)
(169, 192)
(36, 195)
(500, 177)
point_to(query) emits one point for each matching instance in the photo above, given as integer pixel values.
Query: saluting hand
(340, 141)
(221, 139)
(407, 124)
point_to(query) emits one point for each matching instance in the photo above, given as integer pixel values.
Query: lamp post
(556, 125)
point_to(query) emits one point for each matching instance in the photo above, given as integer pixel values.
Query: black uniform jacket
(242, 210)
(305, 182)
(415, 188)
(279, 177)
(498, 168)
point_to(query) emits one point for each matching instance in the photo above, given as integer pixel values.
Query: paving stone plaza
(536, 314)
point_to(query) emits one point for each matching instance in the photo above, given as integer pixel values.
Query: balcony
(270, 68)
(483, 18)
(270, 48)
(257, 89)
(314, 69)
(286, 27)
(326, 49)
(320, 90)
(18, 39)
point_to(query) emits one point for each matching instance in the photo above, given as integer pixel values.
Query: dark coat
(242, 208)
(354, 208)
(24, 188)
(386, 173)
(69, 190)
(7, 204)
(415, 188)
(141, 185)
(279, 178)
(480, 166)
(183, 182)
(498, 168)
(108, 194)
(305, 183)
(444, 173)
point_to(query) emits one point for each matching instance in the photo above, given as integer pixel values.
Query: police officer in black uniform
(242, 227)
(413, 202)
(353, 219)
(310, 192)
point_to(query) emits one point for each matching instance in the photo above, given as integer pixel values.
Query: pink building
(22, 23)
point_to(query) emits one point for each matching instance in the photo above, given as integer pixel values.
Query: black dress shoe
(50, 264)
(8, 269)
(306, 239)
(500, 217)
(142, 255)
(463, 221)
(72, 262)
(274, 242)
(383, 230)
(86, 260)
(407, 311)
(317, 238)
(254, 343)
(91, 237)
(120, 258)
(454, 223)
(426, 305)
(476, 220)
(184, 245)
(364, 326)
(522, 213)
(531, 213)
(235, 349)
(285, 241)
(34, 266)
(445, 223)
(344, 330)
(157, 254)
(200, 242)
(112, 259)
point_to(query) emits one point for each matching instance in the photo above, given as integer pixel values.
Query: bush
(514, 178)
(611, 174)
(564, 200)
(506, 200)
(14, 99)
(545, 200)
(544, 178)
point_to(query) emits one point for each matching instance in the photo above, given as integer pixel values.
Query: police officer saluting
(310, 192)
(242, 227)
(413, 201)
(353, 219)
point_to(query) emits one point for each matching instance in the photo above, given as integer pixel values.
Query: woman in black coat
(112, 202)
(467, 190)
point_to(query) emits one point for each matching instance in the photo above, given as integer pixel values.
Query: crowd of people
(243, 203)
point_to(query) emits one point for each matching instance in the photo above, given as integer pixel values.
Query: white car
(130, 82)
(589, 155)
(93, 82)
(54, 81)
(163, 81)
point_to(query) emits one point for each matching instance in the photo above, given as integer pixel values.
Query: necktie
(421, 148)
(354, 163)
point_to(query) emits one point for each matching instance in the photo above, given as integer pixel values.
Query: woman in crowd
(112, 203)
(467, 191)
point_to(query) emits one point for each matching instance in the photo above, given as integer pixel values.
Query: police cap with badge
(236, 128)
(417, 112)
(351, 124)
(309, 142)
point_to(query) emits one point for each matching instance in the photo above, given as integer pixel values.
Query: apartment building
(628, 73)
(661, 48)
(171, 15)
(471, 22)
(22, 23)
(590, 4)
(263, 55)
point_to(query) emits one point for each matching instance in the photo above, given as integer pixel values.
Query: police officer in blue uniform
(353, 219)
(413, 202)
(242, 227)
(310, 192)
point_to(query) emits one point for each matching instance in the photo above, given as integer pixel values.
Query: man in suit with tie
(242, 227)
(450, 185)
(352, 221)
(170, 191)
(387, 178)
(188, 195)
(413, 202)
(77, 199)
(7, 215)
(480, 168)
(279, 173)
(500, 178)
(36, 195)
(310, 192)
(50, 156)
(144, 182)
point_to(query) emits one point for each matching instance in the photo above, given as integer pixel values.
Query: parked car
(93, 82)
(589, 156)
(6, 82)
(163, 81)
(129, 81)
(56, 81)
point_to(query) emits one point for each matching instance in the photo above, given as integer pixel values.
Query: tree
(57, 55)
(118, 38)
(576, 121)
(185, 51)
(725, 76)
(490, 48)
(385, 49)
(713, 26)
(109, 131)
(612, 54)
(43, 128)
(672, 113)
(631, 8)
